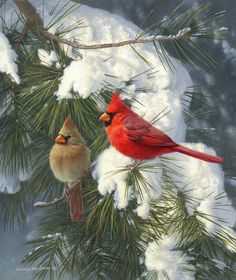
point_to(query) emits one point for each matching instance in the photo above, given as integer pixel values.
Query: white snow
(8, 59)
(81, 76)
(228, 50)
(38, 247)
(163, 258)
(221, 265)
(230, 53)
(100, 68)
(166, 104)
(182, 31)
(8, 184)
(48, 58)
(203, 183)
(223, 28)
(108, 179)
(232, 181)
(40, 204)
(57, 234)
(111, 178)
(87, 75)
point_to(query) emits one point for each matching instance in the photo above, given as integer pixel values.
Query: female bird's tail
(76, 203)
(196, 154)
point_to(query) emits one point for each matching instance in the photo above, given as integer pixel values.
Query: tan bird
(69, 161)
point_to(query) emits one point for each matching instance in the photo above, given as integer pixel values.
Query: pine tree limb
(58, 39)
(34, 20)
(56, 200)
(42, 204)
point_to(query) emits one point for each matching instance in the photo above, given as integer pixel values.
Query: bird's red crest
(116, 104)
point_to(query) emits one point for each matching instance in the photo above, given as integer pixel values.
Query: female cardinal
(134, 137)
(69, 161)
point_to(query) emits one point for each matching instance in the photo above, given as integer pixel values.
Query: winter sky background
(223, 90)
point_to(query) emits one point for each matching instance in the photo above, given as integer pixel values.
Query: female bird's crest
(68, 123)
(68, 126)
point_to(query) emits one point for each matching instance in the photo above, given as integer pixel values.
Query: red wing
(139, 130)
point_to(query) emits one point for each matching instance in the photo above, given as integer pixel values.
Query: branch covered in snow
(42, 204)
(34, 19)
(181, 34)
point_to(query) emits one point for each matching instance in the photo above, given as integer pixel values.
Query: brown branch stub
(28, 10)
(34, 20)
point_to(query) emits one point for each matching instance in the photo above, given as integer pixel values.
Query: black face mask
(111, 115)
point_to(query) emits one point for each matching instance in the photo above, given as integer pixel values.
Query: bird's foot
(66, 191)
(76, 185)
(130, 167)
(133, 165)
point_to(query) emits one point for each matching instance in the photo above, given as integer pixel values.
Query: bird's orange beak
(60, 139)
(105, 117)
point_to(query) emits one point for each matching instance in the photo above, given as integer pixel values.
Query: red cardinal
(134, 137)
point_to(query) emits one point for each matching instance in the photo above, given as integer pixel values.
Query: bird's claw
(130, 167)
(134, 165)
(66, 191)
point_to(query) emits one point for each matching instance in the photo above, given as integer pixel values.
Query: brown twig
(34, 20)
(42, 204)
(58, 39)
(50, 203)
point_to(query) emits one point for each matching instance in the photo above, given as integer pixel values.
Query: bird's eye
(67, 137)
(111, 114)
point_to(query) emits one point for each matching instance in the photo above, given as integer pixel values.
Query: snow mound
(203, 184)
(101, 67)
(111, 178)
(163, 257)
(10, 184)
(48, 58)
(8, 59)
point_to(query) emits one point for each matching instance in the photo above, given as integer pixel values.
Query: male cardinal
(134, 137)
(69, 161)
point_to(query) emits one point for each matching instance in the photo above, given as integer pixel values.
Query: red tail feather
(196, 154)
(76, 203)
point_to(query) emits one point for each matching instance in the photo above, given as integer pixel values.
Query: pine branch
(57, 200)
(33, 19)
(180, 35)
